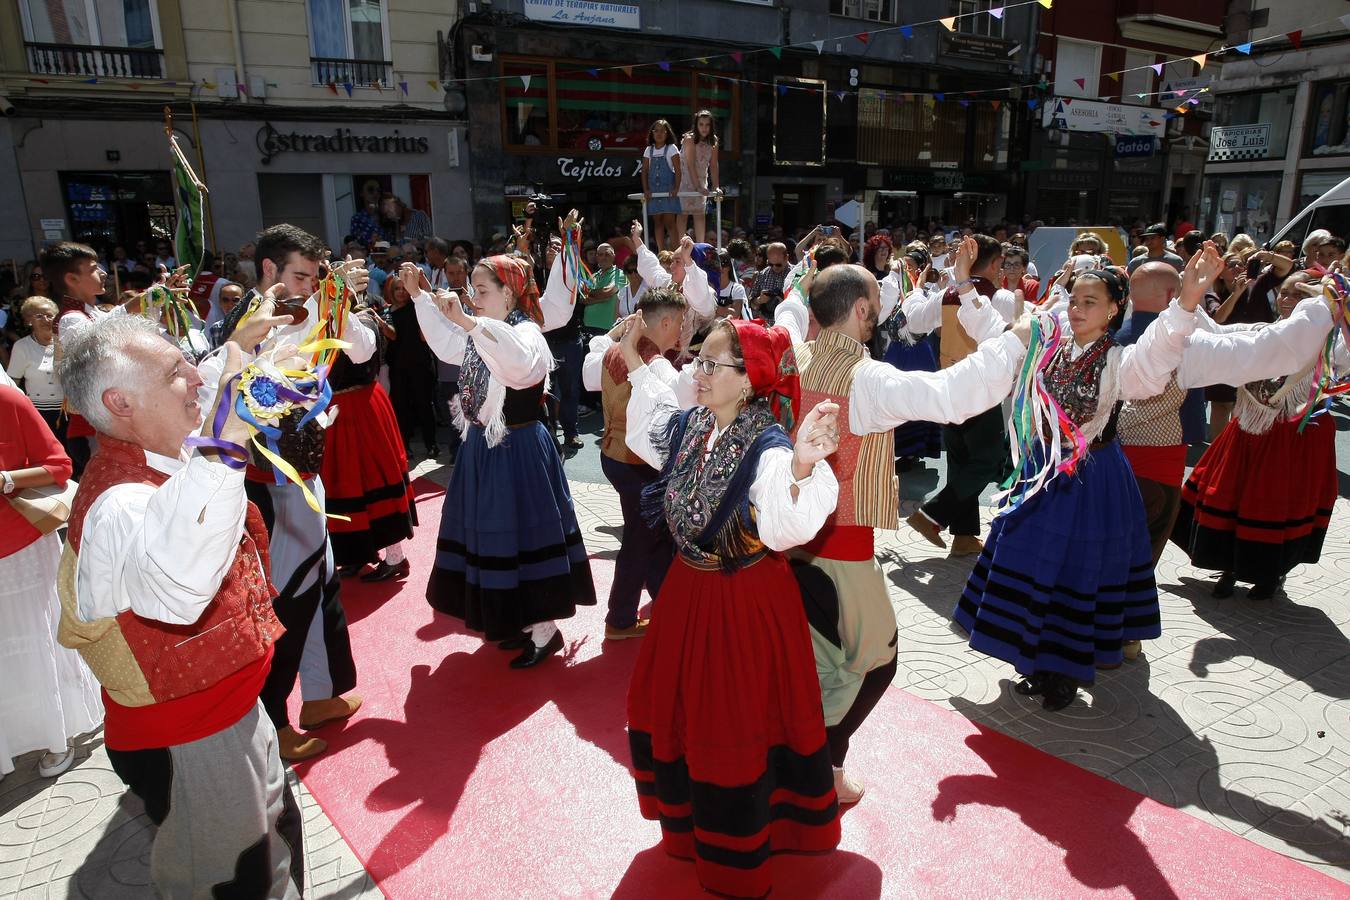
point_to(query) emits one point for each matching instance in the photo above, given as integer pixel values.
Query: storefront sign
(1128, 147)
(974, 46)
(1070, 114)
(584, 12)
(898, 180)
(341, 140)
(588, 171)
(1235, 142)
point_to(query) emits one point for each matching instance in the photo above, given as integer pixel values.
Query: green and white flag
(189, 239)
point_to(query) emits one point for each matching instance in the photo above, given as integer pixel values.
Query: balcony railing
(359, 72)
(95, 62)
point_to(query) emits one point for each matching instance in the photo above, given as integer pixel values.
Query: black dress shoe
(1060, 691)
(1223, 588)
(386, 572)
(533, 656)
(518, 642)
(1029, 686)
(349, 571)
(1264, 590)
(433, 451)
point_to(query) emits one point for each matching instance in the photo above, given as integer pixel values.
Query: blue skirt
(510, 552)
(1065, 579)
(915, 439)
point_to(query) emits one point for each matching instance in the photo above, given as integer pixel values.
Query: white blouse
(32, 363)
(783, 522)
(681, 380)
(1238, 354)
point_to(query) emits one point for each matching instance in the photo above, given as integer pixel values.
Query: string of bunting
(949, 23)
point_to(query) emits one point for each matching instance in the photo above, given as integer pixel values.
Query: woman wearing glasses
(724, 707)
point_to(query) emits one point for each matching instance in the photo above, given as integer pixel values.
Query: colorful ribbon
(175, 311)
(1325, 384)
(575, 273)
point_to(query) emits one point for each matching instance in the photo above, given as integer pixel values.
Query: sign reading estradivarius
(585, 12)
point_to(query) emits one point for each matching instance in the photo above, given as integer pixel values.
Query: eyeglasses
(709, 366)
(1013, 265)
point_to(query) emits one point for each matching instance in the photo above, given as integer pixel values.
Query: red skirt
(365, 477)
(725, 725)
(1257, 505)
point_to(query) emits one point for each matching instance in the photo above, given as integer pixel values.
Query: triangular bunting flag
(777, 52)
(1047, 3)
(1081, 82)
(431, 83)
(1105, 98)
(863, 36)
(738, 56)
(1114, 76)
(841, 95)
(1142, 96)
(1157, 69)
(996, 12)
(1296, 38)
(1199, 59)
(1244, 49)
(347, 86)
(627, 70)
(665, 66)
(1033, 103)
(819, 45)
(332, 86)
(1194, 101)
(996, 103)
(782, 89)
(939, 97)
(907, 31)
(949, 23)
(242, 89)
(594, 73)
(525, 80)
(403, 86)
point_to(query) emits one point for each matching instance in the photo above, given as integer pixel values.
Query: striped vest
(869, 492)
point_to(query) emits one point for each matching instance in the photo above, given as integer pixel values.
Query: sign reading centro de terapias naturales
(585, 12)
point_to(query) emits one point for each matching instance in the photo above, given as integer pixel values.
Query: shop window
(799, 122)
(919, 132)
(989, 150)
(975, 18)
(868, 10)
(1077, 61)
(1268, 108)
(1334, 217)
(349, 42)
(613, 111)
(718, 96)
(1329, 120)
(1241, 204)
(525, 98)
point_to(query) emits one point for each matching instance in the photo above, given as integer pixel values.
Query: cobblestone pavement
(1239, 714)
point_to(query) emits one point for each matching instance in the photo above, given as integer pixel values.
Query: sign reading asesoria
(585, 12)
(1071, 114)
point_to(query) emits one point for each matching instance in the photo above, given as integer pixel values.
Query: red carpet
(463, 778)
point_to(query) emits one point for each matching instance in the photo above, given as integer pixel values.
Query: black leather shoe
(385, 572)
(519, 642)
(349, 571)
(1029, 686)
(1223, 588)
(533, 655)
(1264, 590)
(433, 451)
(1059, 693)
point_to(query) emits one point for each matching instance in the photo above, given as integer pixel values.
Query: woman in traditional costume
(1258, 502)
(724, 716)
(905, 350)
(1066, 575)
(510, 560)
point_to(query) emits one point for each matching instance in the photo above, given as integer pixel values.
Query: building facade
(292, 110)
(1280, 137)
(1107, 144)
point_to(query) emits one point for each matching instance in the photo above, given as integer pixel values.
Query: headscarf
(705, 257)
(771, 366)
(514, 273)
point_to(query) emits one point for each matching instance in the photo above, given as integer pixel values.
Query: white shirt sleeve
(652, 400)
(700, 296)
(361, 337)
(649, 267)
(792, 315)
(161, 552)
(591, 366)
(884, 397)
(1005, 301)
(923, 310)
(1147, 365)
(446, 339)
(890, 295)
(784, 523)
(555, 301)
(1239, 356)
(516, 355)
(978, 316)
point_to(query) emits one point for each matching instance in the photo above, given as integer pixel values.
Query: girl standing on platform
(661, 175)
(510, 560)
(724, 716)
(698, 150)
(1066, 575)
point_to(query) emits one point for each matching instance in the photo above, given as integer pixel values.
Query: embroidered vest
(141, 661)
(955, 344)
(615, 392)
(869, 492)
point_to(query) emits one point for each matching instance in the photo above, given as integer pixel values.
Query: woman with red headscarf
(724, 708)
(510, 560)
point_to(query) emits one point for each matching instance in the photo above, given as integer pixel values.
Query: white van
(1330, 211)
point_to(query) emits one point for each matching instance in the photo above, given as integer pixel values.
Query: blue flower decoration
(264, 392)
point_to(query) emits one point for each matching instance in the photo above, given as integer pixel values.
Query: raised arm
(1237, 357)
(446, 339)
(517, 355)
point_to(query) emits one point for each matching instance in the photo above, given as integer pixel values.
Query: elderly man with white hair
(165, 593)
